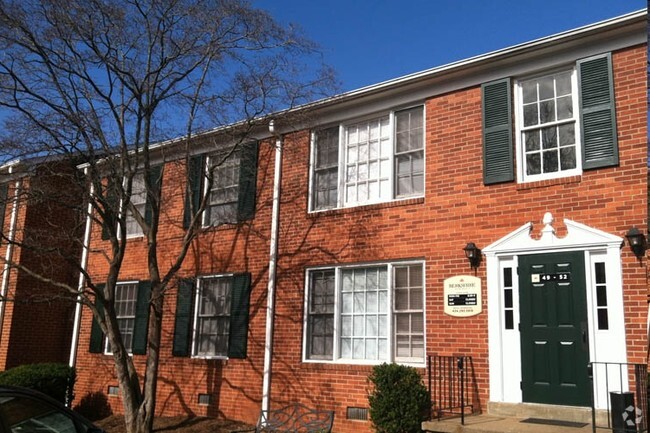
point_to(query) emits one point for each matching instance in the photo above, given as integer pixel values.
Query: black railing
(451, 384)
(620, 397)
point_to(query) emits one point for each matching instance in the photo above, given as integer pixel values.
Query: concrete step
(496, 424)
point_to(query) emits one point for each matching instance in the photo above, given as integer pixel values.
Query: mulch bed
(178, 424)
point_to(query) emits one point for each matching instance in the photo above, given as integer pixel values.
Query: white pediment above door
(578, 237)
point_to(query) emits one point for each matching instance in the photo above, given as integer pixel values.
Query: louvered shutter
(96, 334)
(497, 132)
(247, 182)
(597, 112)
(141, 318)
(239, 305)
(195, 172)
(154, 182)
(183, 320)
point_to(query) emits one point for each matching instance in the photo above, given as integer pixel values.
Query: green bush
(53, 379)
(398, 399)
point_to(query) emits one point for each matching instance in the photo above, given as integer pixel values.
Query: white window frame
(390, 332)
(342, 164)
(129, 350)
(208, 166)
(195, 316)
(519, 128)
(128, 217)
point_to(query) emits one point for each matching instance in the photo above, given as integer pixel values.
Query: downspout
(273, 264)
(82, 279)
(9, 253)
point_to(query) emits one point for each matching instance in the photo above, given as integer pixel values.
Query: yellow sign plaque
(462, 296)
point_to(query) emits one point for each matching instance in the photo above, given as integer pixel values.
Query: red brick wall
(457, 208)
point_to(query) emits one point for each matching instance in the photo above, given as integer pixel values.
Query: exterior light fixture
(473, 254)
(637, 241)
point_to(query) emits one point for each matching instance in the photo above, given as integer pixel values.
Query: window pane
(563, 84)
(567, 134)
(568, 158)
(600, 273)
(546, 111)
(564, 108)
(546, 88)
(532, 140)
(550, 161)
(533, 164)
(603, 319)
(529, 90)
(549, 138)
(530, 115)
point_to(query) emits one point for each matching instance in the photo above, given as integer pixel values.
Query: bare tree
(105, 85)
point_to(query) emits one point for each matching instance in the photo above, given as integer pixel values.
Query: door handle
(583, 330)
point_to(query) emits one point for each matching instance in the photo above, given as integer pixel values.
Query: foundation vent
(205, 399)
(357, 413)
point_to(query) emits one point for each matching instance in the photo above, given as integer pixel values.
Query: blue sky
(368, 42)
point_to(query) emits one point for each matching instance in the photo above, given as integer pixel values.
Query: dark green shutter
(497, 132)
(141, 318)
(154, 182)
(109, 222)
(96, 334)
(239, 305)
(183, 320)
(4, 191)
(195, 172)
(597, 112)
(247, 182)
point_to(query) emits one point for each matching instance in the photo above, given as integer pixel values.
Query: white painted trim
(82, 278)
(273, 264)
(609, 345)
(522, 177)
(11, 237)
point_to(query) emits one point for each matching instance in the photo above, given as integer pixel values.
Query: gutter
(4, 288)
(273, 264)
(82, 282)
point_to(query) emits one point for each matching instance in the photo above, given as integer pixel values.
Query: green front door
(553, 328)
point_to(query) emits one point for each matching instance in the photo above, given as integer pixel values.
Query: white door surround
(605, 345)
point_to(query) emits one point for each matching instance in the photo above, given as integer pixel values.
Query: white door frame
(504, 344)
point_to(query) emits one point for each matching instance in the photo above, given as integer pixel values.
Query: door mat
(555, 422)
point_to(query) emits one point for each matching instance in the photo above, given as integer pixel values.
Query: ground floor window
(365, 313)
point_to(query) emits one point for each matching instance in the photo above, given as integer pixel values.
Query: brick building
(536, 154)
(30, 193)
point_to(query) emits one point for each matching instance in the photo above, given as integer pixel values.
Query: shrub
(53, 379)
(398, 399)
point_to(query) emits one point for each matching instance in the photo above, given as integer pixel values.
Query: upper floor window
(139, 201)
(548, 130)
(231, 196)
(565, 123)
(224, 194)
(372, 161)
(365, 314)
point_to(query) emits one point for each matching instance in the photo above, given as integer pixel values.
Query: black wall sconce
(637, 241)
(473, 254)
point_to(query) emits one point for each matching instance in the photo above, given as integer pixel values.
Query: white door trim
(504, 344)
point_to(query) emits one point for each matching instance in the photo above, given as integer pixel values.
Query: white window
(139, 201)
(371, 161)
(548, 127)
(212, 317)
(224, 195)
(126, 298)
(365, 314)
